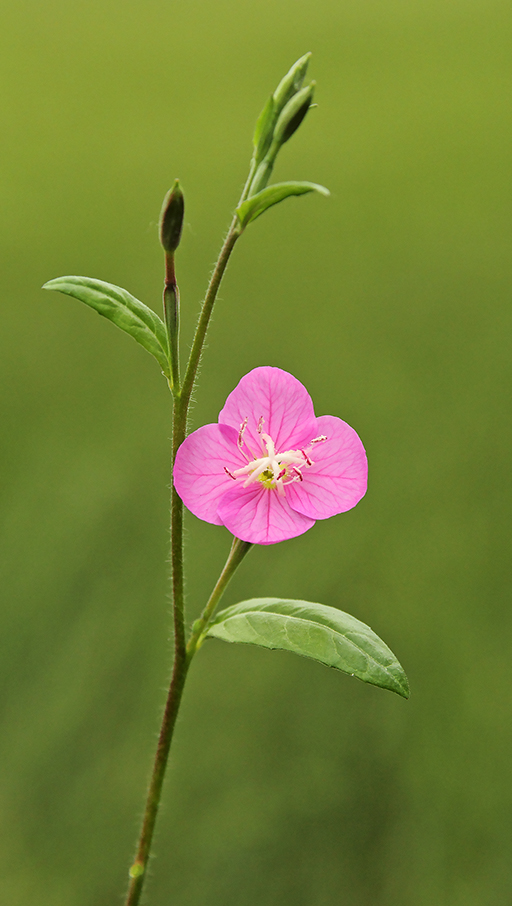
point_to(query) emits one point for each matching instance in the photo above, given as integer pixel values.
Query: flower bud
(292, 115)
(288, 123)
(291, 83)
(171, 218)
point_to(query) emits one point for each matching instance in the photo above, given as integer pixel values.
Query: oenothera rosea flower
(270, 468)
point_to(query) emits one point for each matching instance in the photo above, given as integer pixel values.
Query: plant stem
(182, 654)
(235, 231)
(182, 660)
(179, 674)
(172, 320)
(206, 312)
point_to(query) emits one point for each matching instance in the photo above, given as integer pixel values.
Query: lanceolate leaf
(255, 205)
(313, 630)
(123, 309)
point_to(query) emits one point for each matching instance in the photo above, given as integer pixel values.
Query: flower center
(274, 470)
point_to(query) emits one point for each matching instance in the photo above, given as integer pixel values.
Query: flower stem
(237, 553)
(172, 320)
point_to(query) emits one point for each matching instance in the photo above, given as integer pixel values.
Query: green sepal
(264, 130)
(255, 205)
(316, 631)
(123, 309)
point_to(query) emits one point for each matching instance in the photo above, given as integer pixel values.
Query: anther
(243, 426)
(306, 457)
(318, 440)
(229, 473)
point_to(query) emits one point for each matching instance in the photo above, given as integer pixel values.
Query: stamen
(274, 469)
(269, 443)
(252, 476)
(250, 467)
(243, 426)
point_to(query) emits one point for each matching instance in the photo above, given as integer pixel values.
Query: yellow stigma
(267, 479)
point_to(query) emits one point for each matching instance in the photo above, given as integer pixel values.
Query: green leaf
(264, 130)
(255, 205)
(123, 309)
(313, 630)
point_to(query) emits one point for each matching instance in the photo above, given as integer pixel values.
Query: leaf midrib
(303, 620)
(134, 314)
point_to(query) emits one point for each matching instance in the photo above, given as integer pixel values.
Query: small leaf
(255, 205)
(313, 630)
(123, 309)
(264, 130)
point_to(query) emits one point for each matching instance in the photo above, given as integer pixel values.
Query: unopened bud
(293, 114)
(171, 218)
(291, 83)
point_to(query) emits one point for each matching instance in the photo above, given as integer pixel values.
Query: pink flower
(270, 468)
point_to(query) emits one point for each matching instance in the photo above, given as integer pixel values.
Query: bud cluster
(280, 118)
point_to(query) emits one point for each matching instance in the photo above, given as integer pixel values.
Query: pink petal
(277, 397)
(259, 515)
(338, 477)
(199, 475)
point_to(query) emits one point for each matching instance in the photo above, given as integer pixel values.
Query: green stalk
(180, 669)
(182, 654)
(237, 553)
(172, 320)
(206, 312)
(235, 231)
(179, 674)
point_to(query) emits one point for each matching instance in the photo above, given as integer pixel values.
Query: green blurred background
(391, 301)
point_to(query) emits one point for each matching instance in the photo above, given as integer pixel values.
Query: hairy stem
(179, 674)
(206, 312)
(182, 654)
(235, 231)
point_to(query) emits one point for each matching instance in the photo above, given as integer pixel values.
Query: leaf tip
(404, 689)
